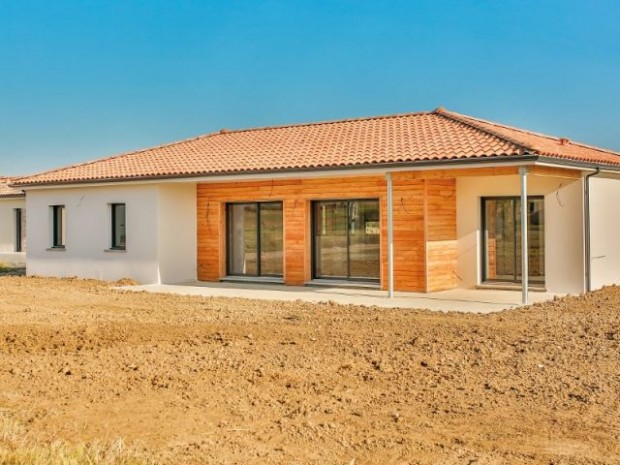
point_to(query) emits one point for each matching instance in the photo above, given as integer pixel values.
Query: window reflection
(346, 239)
(255, 239)
(502, 239)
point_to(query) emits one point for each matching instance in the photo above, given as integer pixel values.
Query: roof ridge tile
(539, 134)
(326, 122)
(467, 120)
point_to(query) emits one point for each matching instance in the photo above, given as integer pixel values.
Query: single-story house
(410, 202)
(12, 224)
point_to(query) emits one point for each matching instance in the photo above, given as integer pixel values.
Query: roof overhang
(339, 171)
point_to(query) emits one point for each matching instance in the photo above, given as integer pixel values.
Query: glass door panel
(242, 239)
(535, 240)
(255, 239)
(271, 239)
(346, 240)
(502, 239)
(330, 239)
(364, 235)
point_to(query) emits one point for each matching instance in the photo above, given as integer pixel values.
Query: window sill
(509, 286)
(252, 279)
(115, 250)
(361, 284)
(56, 249)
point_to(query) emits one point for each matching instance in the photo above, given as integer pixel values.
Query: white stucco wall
(7, 231)
(564, 246)
(177, 233)
(605, 231)
(88, 233)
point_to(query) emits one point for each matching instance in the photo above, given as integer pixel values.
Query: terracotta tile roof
(6, 191)
(541, 144)
(408, 138)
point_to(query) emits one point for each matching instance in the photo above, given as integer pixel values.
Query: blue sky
(84, 79)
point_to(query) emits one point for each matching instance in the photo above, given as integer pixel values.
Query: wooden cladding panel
(209, 236)
(441, 241)
(296, 196)
(455, 173)
(296, 213)
(554, 172)
(424, 224)
(409, 249)
(441, 210)
(441, 262)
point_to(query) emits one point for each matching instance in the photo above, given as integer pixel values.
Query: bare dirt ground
(225, 381)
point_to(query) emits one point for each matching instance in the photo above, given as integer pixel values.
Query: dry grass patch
(18, 448)
(8, 269)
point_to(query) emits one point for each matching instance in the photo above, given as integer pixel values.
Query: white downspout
(588, 230)
(524, 249)
(390, 227)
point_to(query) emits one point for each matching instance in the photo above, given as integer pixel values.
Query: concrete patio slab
(459, 300)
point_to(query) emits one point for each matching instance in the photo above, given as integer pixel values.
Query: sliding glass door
(255, 239)
(346, 237)
(502, 239)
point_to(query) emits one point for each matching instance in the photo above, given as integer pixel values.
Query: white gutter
(306, 174)
(390, 227)
(587, 226)
(524, 248)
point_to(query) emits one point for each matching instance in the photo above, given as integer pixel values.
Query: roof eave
(570, 163)
(452, 162)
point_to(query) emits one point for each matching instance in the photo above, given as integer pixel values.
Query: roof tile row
(7, 191)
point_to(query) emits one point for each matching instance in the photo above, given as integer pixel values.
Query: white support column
(390, 227)
(524, 248)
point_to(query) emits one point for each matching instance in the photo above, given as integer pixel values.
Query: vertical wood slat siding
(441, 241)
(296, 196)
(296, 217)
(409, 247)
(416, 255)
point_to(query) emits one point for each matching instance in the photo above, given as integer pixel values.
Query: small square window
(119, 229)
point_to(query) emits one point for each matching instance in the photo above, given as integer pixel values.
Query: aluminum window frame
(258, 274)
(19, 212)
(313, 238)
(113, 244)
(59, 226)
(483, 239)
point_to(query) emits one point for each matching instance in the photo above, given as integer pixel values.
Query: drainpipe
(390, 227)
(524, 249)
(587, 233)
